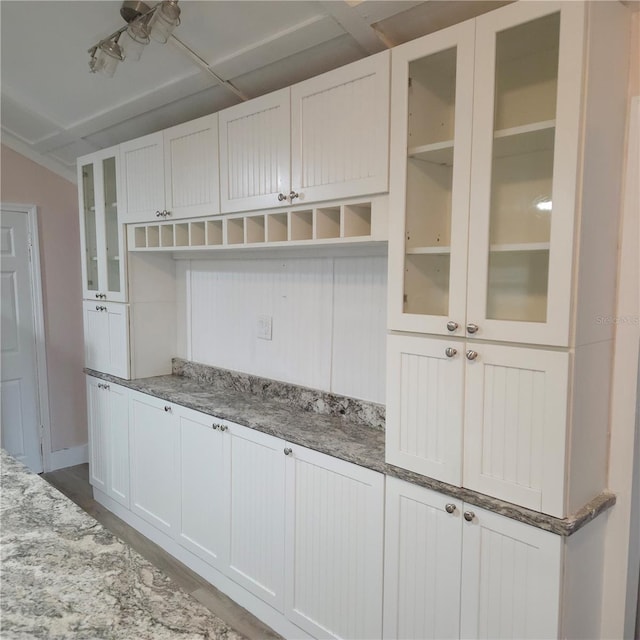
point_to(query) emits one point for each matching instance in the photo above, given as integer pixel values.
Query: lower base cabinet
(456, 571)
(107, 408)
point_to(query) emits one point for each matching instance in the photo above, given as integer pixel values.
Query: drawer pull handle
(288, 451)
(215, 426)
(450, 352)
(452, 326)
(472, 328)
(222, 427)
(469, 516)
(450, 507)
(167, 408)
(471, 354)
(293, 195)
(281, 197)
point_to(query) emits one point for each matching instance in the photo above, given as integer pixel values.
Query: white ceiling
(54, 110)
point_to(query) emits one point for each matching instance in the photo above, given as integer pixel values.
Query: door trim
(35, 277)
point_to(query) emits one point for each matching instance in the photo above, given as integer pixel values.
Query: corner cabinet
(171, 173)
(102, 238)
(322, 139)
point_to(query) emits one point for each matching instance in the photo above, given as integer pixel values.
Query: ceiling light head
(132, 9)
(136, 37)
(108, 56)
(166, 18)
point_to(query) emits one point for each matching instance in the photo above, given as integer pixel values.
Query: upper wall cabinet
(323, 139)
(486, 119)
(172, 173)
(101, 236)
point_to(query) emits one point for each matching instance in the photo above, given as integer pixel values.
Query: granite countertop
(297, 415)
(65, 576)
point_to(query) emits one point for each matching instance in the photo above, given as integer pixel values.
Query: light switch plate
(264, 328)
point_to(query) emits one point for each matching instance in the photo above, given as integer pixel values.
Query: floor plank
(74, 483)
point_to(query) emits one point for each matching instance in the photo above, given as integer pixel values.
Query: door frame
(35, 278)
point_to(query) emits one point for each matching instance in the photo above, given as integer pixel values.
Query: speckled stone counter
(341, 427)
(65, 576)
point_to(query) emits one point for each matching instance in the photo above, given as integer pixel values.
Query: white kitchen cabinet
(339, 132)
(456, 571)
(511, 578)
(501, 409)
(153, 446)
(423, 560)
(486, 137)
(171, 174)
(425, 406)
(322, 139)
(203, 487)
(102, 238)
(256, 513)
(106, 337)
(107, 412)
(334, 546)
(255, 153)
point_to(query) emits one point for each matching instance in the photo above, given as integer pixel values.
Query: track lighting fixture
(144, 23)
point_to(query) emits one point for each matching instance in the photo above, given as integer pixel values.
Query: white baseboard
(68, 457)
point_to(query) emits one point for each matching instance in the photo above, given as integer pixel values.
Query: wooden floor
(74, 483)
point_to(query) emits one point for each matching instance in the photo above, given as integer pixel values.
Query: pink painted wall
(25, 182)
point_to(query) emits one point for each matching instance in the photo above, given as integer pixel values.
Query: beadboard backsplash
(328, 319)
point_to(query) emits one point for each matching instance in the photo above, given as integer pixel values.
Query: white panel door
(106, 337)
(516, 424)
(257, 513)
(423, 538)
(431, 112)
(255, 153)
(334, 546)
(118, 437)
(191, 177)
(425, 386)
(98, 418)
(526, 130)
(340, 131)
(511, 575)
(20, 432)
(153, 445)
(142, 178)
(203, 485)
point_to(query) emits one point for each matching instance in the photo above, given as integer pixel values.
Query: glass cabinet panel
(526, 78)
(111, 224)
(430, 157)
(90, 231)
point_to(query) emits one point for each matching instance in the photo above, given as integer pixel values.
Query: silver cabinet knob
(469, 516)
(471, 354)
(450, 507)
(166, 213)
(450, 352)
(215, 426)
(222, 427)
(167, 408)
(452, 326)
(97, 295)
(472, 328)
(293, 195)
(158, 214)
(281, 197)
(288, 451)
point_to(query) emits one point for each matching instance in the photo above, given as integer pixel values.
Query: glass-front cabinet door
(525, 137)
(102, 236)
(431, 115)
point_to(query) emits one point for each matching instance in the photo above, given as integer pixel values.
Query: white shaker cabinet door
(334, 546)
(425, 386)
(142, 178)
(98, 418)
(340, 132)
(203, 487)
(423, 538)
(511, 575)
(118, 486)
(191, 179)
(515, 425)
(257, 513)
(153, 447)
(255, 153)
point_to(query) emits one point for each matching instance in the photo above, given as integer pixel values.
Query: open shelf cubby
(343, 223)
